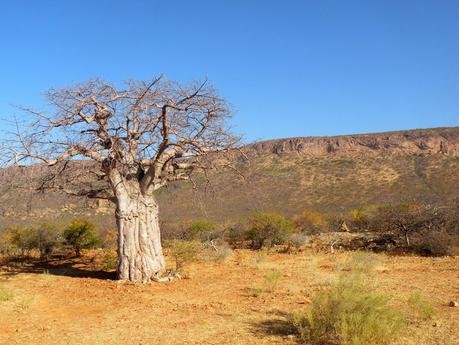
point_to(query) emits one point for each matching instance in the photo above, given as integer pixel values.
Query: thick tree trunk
(140, 256)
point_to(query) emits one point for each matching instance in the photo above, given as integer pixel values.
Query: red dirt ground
(220, 303)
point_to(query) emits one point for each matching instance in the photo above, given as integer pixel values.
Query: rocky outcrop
(422, 141)
(286, 175)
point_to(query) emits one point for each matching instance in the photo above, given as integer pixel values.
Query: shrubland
(46, 238)
(346, 307)
(424, 229)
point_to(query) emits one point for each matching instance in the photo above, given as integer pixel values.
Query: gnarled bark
(140, 256)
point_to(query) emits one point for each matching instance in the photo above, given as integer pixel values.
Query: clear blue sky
(290, 68)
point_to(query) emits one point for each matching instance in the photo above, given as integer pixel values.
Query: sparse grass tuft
(422, 306)
(47, 278)
(272, 279)
(361, 262)
(25, 302)
(5, 295)
(259, 260)
(261, 257)
(256, 291)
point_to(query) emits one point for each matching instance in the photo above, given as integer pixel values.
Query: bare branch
(149, 132)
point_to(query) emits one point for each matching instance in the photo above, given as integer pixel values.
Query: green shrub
(202, 230)
(267, 229)
(349, 313)
(81, 234)
(183, 252)
(423, 307)
(21, 240)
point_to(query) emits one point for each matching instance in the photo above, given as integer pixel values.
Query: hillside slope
(327, 174)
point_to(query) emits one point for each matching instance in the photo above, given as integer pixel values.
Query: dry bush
(47, 279)
(404, 218)
(109, 260)
(435, 243)
(24, 303)
(110, 239)
(215, 251)
(6, 247)
(360, 263)
(49, 238)
(236, 234)
(295, 241)
(174, 230)
(359, 218)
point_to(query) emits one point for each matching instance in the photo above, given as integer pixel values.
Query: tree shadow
(278, 324)
(55, 266)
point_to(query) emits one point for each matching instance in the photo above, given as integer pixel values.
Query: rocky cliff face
(282, 175)
(422, 141)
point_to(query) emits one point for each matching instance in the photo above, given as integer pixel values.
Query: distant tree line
(424, 229)
(48, 237)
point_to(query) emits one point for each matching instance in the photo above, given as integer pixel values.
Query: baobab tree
(140, 138)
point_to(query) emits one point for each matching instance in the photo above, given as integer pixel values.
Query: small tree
(268, 229)
(81, 234)
(406, 218)
(22, 239)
